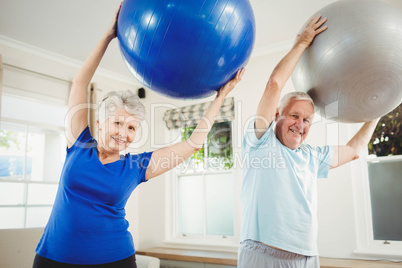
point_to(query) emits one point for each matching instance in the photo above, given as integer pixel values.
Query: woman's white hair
(121, 99)
(296, 96)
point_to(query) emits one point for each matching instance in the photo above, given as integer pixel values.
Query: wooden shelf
(230, 258)
(203, 256)
(349, 263)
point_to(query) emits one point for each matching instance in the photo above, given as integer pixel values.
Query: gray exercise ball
(353, 70)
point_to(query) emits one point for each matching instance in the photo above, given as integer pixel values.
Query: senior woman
(87, 226)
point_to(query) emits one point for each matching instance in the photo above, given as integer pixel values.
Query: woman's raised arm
(77, 116)
(177, 153)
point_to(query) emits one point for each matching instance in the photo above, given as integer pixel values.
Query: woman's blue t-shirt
(87, 224)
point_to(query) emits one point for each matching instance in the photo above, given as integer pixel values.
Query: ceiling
(72, 27)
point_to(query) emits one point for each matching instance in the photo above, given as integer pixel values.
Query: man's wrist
(300, 45)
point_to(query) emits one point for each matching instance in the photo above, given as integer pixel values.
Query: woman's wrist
(220, 96)
(108, 37)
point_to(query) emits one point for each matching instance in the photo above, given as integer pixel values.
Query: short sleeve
(84, 140)
(251, 141)
(140, 163)
(324, 156)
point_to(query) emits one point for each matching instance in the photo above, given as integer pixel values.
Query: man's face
(294, 123)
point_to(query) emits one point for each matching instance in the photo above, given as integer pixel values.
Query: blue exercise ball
(185, 49)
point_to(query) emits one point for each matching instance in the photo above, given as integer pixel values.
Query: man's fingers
(320, 23)
(320, 30)
(315, 19)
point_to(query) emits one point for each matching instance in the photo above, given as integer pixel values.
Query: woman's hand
(230, 85)
(111, 32)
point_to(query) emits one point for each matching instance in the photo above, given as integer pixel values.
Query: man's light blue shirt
(279, 193)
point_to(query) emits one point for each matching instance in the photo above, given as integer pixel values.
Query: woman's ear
(98, 125)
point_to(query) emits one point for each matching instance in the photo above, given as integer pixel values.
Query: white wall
(146, 209)
(17, 247)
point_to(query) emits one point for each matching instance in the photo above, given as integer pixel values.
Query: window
(205, 186)
(32, 146)
(380, 233)
(217, 152)
(385, 179)
(29, 173)
(202, 192)
(387, 137)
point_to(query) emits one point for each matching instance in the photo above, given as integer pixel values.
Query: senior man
(279, 202)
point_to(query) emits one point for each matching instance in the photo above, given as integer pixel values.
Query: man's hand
(311, 30)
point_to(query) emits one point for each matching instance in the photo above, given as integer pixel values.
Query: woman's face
(118, 131)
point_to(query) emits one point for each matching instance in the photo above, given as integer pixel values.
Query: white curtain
(93, 106)
(188, 116)
(1, 80)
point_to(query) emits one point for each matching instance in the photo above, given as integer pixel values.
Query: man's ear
(277, 115)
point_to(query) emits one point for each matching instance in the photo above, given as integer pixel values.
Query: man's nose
(300, 123)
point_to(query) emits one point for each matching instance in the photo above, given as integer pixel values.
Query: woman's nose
(122, 131)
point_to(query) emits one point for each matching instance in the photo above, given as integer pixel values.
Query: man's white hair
(121, 99)
(296, 96)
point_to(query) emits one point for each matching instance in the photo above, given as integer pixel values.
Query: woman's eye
(117, 123)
